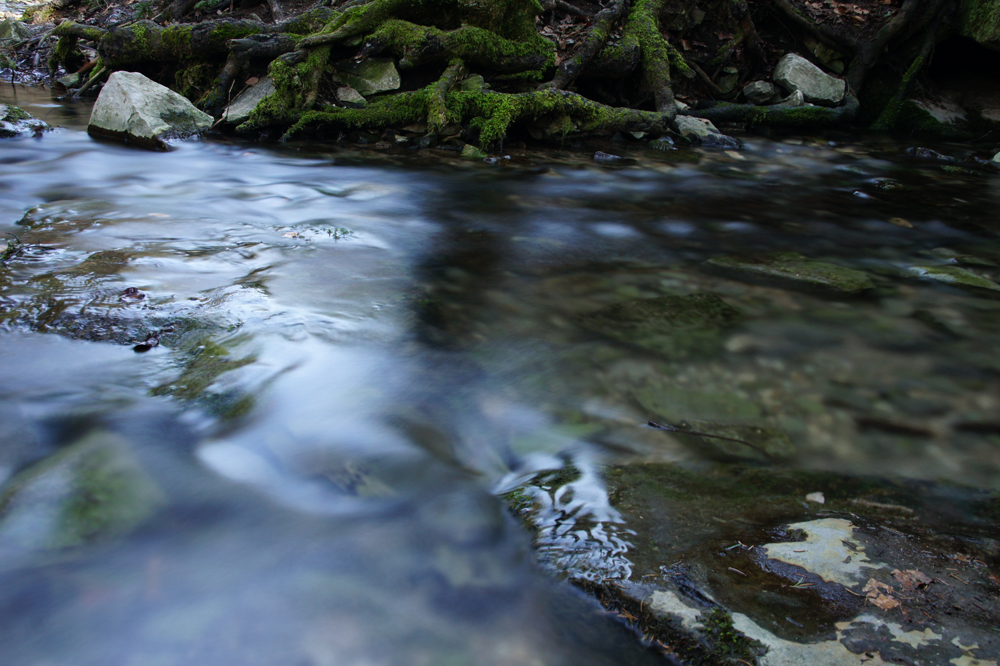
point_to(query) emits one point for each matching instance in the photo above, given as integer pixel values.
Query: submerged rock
(15, 122)
(731, 564)
(136, 109)
(793, 72)
(953, 275)
(92, 489)
(674, 326)
(796, 269)
(244, 104)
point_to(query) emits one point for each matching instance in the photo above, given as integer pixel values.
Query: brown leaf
(912, 579)
(879, 594)
(290, 234)
(252, 81)
(900, 222)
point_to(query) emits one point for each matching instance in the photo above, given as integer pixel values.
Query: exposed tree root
(490, 113)
(600, 30)
(780, 116)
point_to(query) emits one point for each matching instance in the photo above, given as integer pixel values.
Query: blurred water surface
(352, 355)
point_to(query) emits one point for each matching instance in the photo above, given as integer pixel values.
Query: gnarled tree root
(490, 112)
(780, 116)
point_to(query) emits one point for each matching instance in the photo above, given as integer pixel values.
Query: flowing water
(302, 377)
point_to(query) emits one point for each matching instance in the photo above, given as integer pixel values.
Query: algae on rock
(674, 326)
(795, 269)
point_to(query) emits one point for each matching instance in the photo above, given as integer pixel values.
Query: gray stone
(701, 132)
(996, 158)
(760, 92)
(728, 79)
(796, 269)
(12, 30)
(72, 80)
(793, 100)
(371, 76)
(350, 96)
(471, 152)
(136, 109)
(474, 83)
(15, 122)
(793, 72)
(239, 109)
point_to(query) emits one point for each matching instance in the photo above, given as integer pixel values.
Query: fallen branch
(604, 22)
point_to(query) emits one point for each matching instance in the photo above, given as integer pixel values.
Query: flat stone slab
(795, 269)
(793, 72)
(244, 104)
(135, 109)
(371, 76)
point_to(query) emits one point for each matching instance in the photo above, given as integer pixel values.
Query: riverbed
(313, 371)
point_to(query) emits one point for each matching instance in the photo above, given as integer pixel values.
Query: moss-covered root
(492, 113)
(781, 116)
(600, 30)
(890, 114)
(69, 33)
(417, 45)
(510, 19)
(437, 101)
(643, 28)
(296, 82)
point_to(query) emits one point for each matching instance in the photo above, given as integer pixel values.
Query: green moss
(209, 362)
(980, 20)
(726, 640)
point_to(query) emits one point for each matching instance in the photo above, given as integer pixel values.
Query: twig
(716, 90)
(90, 82)
(738, 571)
(682, 431)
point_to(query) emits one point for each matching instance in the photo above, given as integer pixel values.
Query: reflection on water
(348, 358)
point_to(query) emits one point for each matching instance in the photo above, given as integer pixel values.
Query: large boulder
(138, 110)
(793, 72)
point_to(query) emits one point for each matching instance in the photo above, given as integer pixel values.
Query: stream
(259, 403)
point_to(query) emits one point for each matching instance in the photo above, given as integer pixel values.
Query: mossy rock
(16, 122)
(953, 275)
(93, 489)
(674, 326)
(796, 270)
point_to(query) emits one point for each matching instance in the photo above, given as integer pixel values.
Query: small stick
(737, 571)
(682, 431)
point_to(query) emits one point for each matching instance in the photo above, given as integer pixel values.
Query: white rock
(793, 72)
(134, 108)
(996, 158)
(830, 550)
(818, 498)
(244, 104)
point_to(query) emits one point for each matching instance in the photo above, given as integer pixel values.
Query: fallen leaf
(290, 234)
(252, 81)
(900, 222)
(912, 579)
(880, 594)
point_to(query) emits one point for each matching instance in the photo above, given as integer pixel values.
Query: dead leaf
(880, 594)
(900, 222)
(912, 579)
(290, 234)
(252, 81)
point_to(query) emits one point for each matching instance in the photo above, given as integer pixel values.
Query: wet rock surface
(796, 269)
(15, 122)
(134, 108)
(733, 564)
